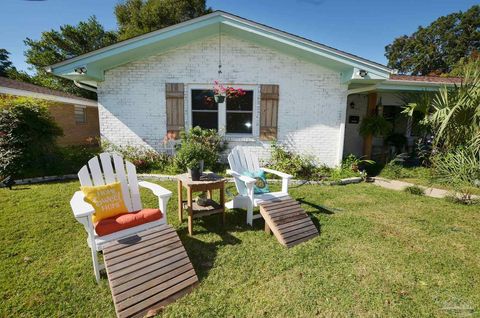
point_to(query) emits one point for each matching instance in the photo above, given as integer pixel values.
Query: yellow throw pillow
(107, 200)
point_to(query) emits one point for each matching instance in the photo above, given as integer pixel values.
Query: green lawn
(380, 253)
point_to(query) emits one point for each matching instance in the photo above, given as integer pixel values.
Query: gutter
(85, 86)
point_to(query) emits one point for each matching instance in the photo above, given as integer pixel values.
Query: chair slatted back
(112, 168)
(241, 160)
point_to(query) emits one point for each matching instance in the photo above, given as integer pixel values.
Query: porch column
(368, 140)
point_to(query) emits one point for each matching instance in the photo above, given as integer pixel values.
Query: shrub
(301, 167)
(189, 156)
(203, 144)
(415, 190)
(144, 159)
(211, 142)
(459, 167)
(27, 136)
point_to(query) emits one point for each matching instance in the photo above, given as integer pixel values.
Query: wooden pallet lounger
(288, 221)
(148, 271)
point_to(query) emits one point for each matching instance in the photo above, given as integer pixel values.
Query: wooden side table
(208, 183)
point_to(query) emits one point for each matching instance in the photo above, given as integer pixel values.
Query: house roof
(13, 87)
(95, 63)
(426, 79)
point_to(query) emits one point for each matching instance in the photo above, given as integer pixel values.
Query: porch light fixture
(80, 70)
(362, 73)
(352, 105)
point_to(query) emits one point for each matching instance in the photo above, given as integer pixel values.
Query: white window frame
(222, 110)
(84, 109)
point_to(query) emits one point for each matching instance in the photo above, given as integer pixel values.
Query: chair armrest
(278, 173)
(80, 207)
(158, 190)
(247, 180)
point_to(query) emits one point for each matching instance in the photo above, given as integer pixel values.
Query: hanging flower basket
(220, 92)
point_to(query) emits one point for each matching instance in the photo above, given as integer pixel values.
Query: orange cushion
(126, 220)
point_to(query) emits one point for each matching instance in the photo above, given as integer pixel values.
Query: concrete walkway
(401, 185)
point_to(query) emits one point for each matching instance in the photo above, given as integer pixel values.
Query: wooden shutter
(174, 95)
(268, 111)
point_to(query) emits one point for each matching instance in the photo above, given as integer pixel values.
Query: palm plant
(454, 113)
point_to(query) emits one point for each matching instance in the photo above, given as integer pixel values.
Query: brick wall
(312, 101)
(75, 134)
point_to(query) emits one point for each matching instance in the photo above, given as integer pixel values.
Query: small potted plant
(194, 169)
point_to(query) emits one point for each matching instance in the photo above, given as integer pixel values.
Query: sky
(360, 27)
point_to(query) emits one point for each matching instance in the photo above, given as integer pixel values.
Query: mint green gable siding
(156, 42)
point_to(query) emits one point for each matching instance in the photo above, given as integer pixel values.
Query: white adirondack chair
(241, 159)
(99, 172)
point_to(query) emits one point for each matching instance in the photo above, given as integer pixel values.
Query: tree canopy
(58, 45)
(136, 17)
(5, 63)
(437, 48)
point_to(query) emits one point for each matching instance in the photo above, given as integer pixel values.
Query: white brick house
(309, 112)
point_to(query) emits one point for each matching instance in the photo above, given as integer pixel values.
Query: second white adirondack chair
(241, 159)
(100, 172)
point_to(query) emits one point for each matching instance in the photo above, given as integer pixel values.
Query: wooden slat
(106, 160)
(270, 203)
(133, 186)
(149, 243)
(278, 207)
(152, 270)
(147, 269)
(287, 221)
(151, 280)
(153, 300)
(170, 243)
(122, 178)
(144, 293)
(287, 225)
(289, 211)
(97, 175)
(143, 277)
(84, 177)
(132, 264)
(111, 247)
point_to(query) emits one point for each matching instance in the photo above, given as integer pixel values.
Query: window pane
(202, 99)
(205, 120)
(244, 102)
(80, 115)
(239, 123)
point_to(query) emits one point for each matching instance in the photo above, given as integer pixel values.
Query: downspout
(84, 86)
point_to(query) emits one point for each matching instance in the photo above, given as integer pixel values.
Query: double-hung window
(204, 109)
(239, 114)
(234, 115)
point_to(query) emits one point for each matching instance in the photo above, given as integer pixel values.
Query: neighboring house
(77, 116)
(303, 93)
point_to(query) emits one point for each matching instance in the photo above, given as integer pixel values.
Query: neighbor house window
(80, 115)
(240, 114)
(204, 109)
(234, 116)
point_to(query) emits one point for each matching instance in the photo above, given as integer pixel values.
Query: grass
(380, 253)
